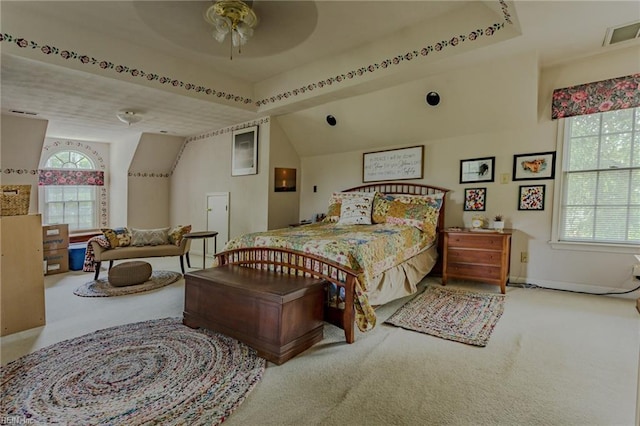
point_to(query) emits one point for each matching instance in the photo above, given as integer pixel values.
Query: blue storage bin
(76, 256)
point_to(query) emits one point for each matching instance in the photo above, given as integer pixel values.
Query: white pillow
(356, 210)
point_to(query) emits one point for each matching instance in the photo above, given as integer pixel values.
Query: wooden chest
(478, 256)
(278, 315)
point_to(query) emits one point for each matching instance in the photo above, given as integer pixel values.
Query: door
(218, 220)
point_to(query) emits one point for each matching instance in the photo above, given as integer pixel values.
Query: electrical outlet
(524, 257)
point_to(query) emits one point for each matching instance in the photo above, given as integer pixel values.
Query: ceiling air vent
(622, 33)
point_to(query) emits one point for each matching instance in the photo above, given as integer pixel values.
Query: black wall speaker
(433, 98)
(331, 120)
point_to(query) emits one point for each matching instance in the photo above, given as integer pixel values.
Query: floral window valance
(600, 96)
(70, 177)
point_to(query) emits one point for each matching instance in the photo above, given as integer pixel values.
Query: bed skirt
(402, 280)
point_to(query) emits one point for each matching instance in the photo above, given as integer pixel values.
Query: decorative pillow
(117, 237)
(149, 237)
(383, 202)
(419, 211)
(335, 203)
(356, 210)
(176, 233)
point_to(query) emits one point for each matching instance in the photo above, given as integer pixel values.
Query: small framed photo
(284, 180)
(531, 197)
(244, 152)
(477, 170)
(475, 199)
(539, 165)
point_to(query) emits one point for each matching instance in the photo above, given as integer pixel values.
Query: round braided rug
(152, 372)
(102, 288)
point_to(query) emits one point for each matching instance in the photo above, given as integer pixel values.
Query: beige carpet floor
(554, 358)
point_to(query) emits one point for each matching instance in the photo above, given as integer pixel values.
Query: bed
(375, 245)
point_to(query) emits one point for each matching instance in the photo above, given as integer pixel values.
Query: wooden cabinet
(477, 255)
(22, 285)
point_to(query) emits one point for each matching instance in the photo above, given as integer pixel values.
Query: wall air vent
(15, 111)
(622, 33)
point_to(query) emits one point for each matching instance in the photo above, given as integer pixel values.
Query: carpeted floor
(453, 314)
(554, 358)
(156, 371)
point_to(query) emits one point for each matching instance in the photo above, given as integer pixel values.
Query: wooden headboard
(405, 188)
(411, 189)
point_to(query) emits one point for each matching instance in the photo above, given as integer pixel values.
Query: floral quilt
(370, 249)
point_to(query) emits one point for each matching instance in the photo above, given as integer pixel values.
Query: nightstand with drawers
(477, 255)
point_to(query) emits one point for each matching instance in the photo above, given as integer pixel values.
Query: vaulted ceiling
(76, 63)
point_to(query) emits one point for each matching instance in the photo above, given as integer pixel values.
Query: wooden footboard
(338, 310)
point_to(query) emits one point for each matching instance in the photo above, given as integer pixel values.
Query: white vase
(498, 226)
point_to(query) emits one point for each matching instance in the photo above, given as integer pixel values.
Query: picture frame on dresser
(244, 152)
(531, 197)
(477, 170)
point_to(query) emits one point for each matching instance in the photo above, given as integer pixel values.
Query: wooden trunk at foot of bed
(303, 264)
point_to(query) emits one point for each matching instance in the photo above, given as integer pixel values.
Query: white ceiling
(291, 35)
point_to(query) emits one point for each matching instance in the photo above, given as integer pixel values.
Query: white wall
(524, 132)
(20, 147)
(204, 166)
(121, 155)
(149, 186)
(283, 206)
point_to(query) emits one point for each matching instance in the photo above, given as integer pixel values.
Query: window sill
(595, 247)
(81, 237)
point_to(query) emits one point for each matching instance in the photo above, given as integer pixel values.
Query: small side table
(203, 235)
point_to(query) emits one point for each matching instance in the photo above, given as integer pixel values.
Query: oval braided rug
(152, 372)
(102, 288)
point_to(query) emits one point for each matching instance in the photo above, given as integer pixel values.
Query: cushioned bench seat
(132, 252)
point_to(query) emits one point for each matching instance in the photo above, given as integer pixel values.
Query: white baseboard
(560, 285)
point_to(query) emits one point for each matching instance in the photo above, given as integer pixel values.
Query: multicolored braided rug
(451, 314)
(153, 372)
(102, 288)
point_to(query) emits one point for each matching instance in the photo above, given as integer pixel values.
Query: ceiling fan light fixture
(128, 117)
(231, 16)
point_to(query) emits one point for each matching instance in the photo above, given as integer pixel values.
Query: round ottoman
(129, 273)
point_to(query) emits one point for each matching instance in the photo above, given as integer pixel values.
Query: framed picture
(393, 164)
(244, 153)
(531, 197)
(284, 180)
(477, 170)
(475, 199)
(539, 165)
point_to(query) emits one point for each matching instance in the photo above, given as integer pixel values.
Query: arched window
(69, 160)
(69, 182)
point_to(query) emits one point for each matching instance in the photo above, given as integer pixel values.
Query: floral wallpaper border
(399, 59)
(149, 174)
(10, 171)
(600, 96)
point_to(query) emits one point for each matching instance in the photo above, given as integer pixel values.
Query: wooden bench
(279, 315)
